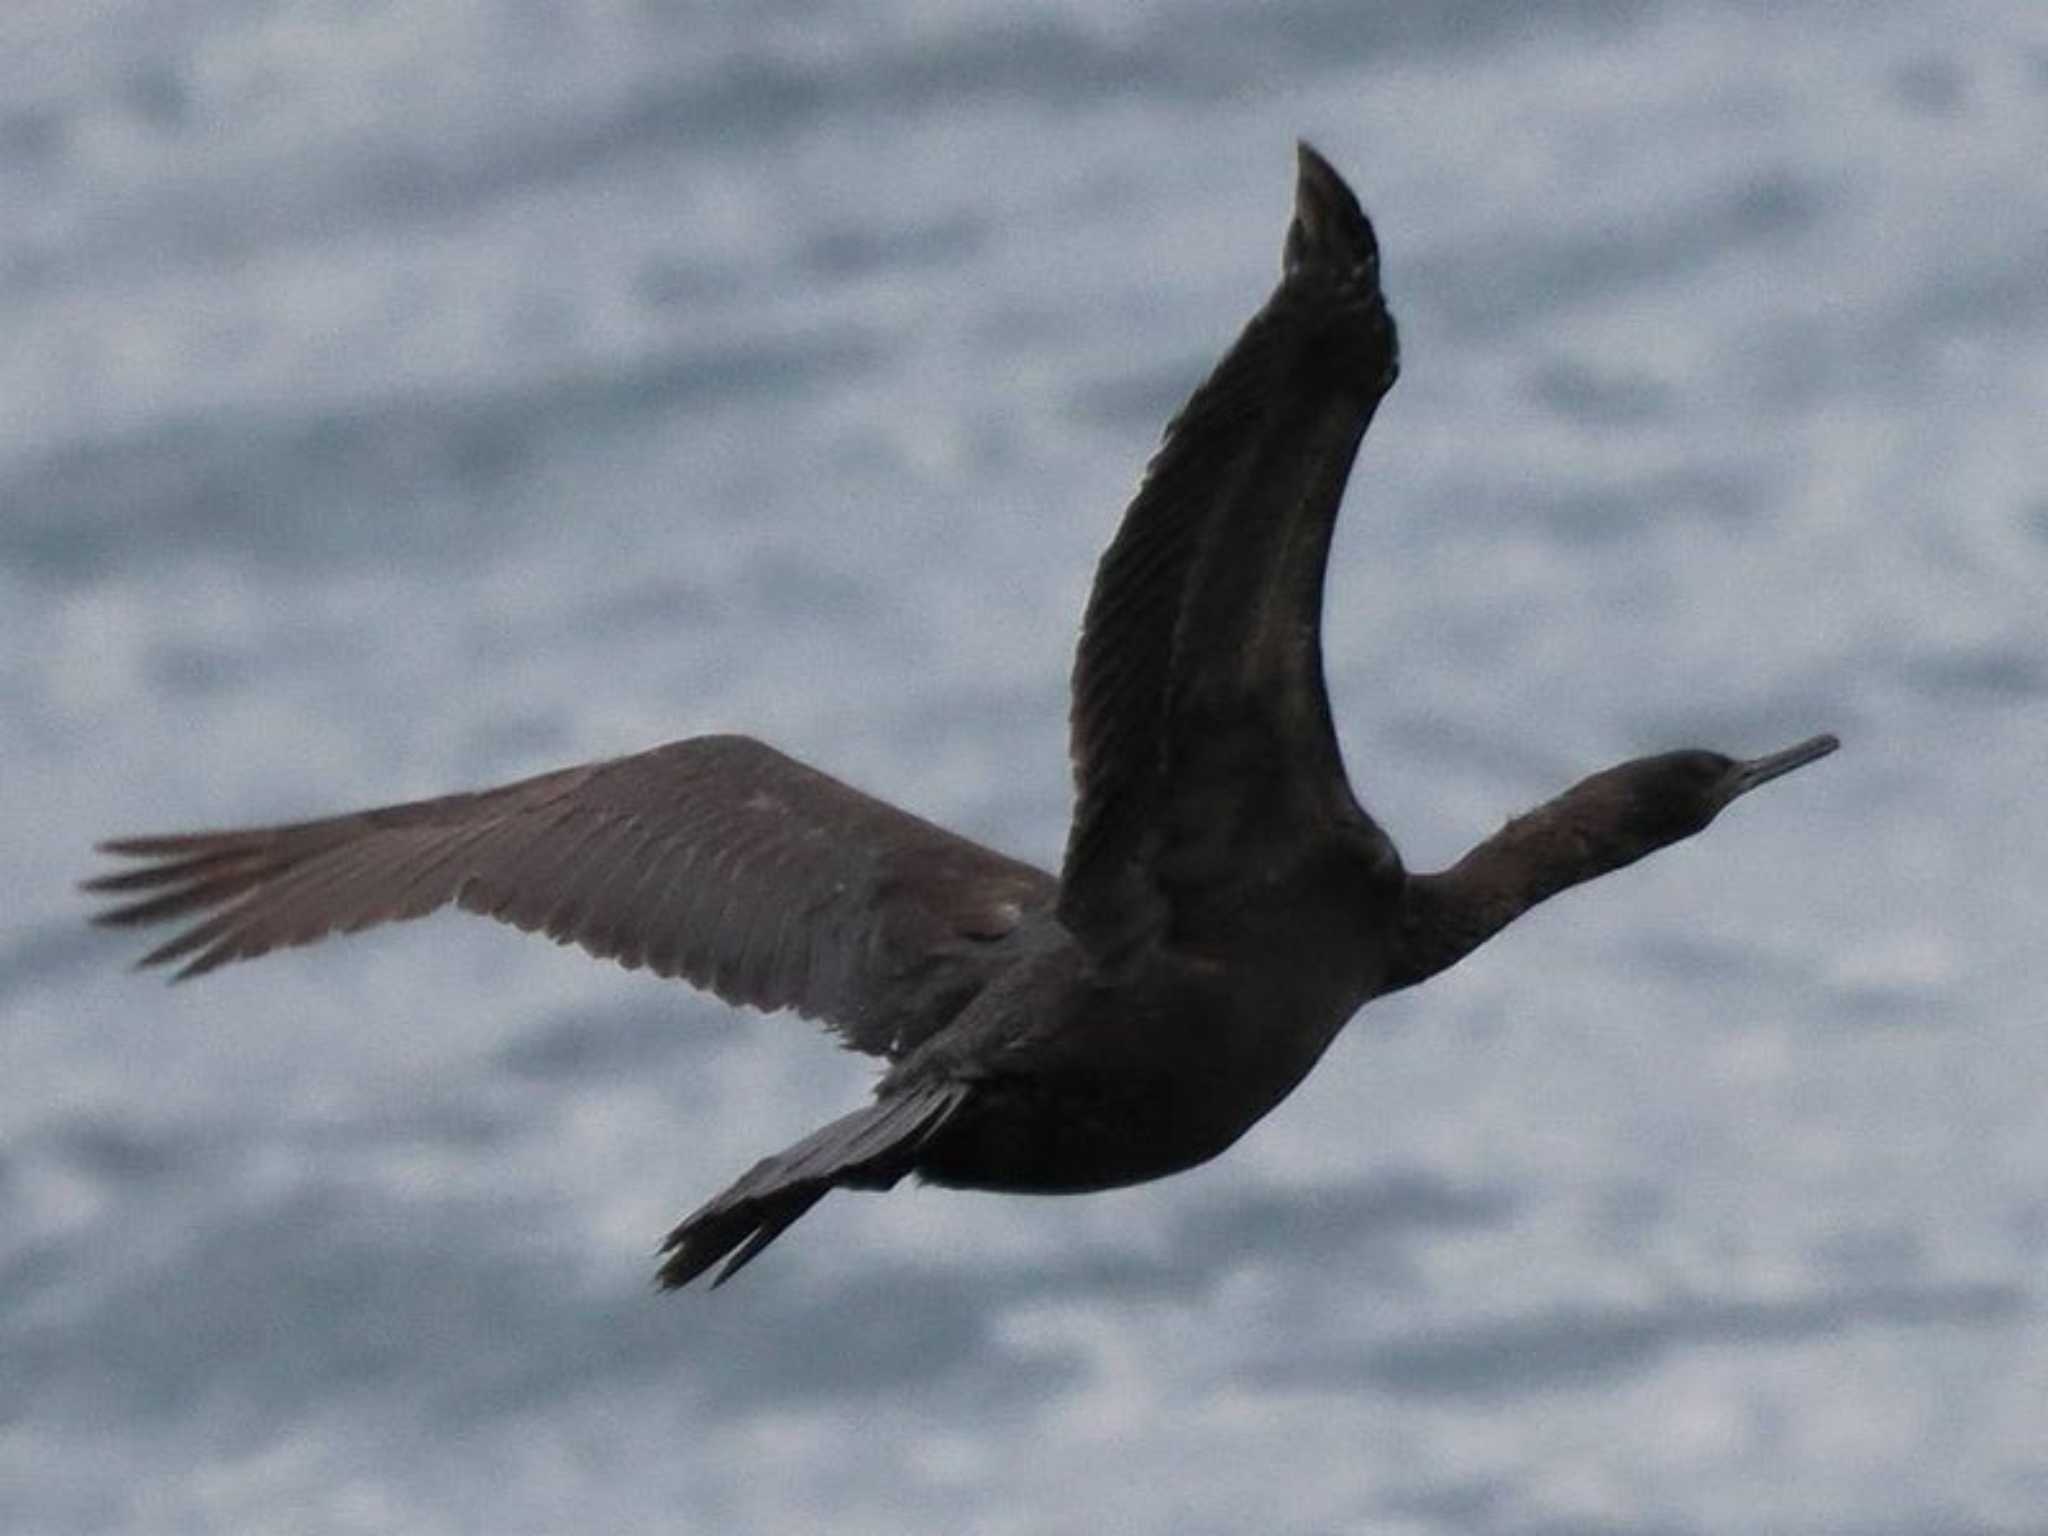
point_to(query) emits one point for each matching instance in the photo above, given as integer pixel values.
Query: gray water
(398, 398)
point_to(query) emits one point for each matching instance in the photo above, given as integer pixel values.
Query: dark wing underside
(1202, 742)
(716, 859)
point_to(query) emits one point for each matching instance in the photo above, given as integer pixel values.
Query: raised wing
(1201, 727)
(717, 859)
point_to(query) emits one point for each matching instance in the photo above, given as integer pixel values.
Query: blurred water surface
(400, 397)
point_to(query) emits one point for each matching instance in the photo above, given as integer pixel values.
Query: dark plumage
(1225, 904)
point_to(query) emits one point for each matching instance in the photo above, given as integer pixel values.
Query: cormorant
(1224, 907)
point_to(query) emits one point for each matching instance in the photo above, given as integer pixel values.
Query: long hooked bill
(1761, 770)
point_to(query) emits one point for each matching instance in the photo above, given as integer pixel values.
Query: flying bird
(1224, 906)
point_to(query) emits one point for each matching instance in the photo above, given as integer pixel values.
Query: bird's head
(1659, 800)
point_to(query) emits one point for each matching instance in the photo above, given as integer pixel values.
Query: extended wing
(1202, 742)
(717, 859)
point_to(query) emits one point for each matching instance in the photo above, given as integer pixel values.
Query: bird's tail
(869, 1149)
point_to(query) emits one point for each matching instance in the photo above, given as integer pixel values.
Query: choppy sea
(403, 397)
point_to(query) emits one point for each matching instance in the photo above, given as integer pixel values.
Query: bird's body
(1224, 908)
(1074, 1091)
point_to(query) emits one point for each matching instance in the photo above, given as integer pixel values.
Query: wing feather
(716, 859)
(1200, 648)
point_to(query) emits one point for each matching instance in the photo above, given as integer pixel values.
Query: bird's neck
(1562, 843)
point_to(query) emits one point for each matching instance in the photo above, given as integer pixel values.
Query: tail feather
(869, 1149)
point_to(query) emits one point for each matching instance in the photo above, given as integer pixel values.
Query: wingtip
(171, 978)
(1329, 227)
(1310, 161)
(149, 845)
